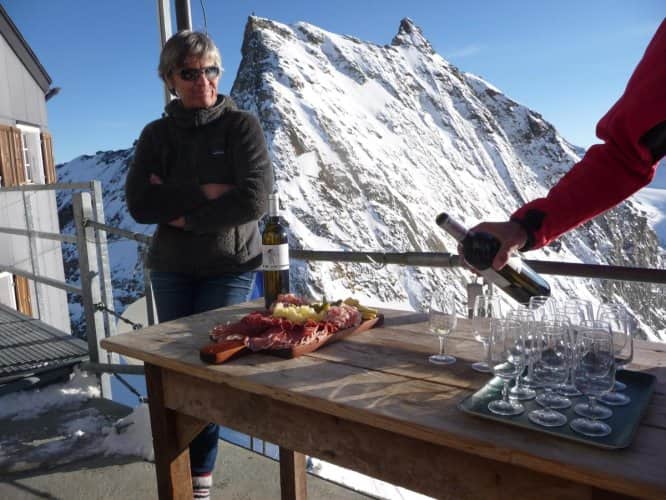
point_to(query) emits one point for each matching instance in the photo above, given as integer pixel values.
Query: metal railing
(94, 265)
(443, 259)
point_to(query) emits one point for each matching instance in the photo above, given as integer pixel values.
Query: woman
(202, 174)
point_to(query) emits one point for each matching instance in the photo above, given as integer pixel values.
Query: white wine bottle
(275, 253)
(516, 279)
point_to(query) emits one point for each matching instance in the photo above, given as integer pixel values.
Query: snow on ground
(129, 436)
(360, 482)
(25, 405)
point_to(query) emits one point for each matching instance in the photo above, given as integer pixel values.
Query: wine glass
(550, 369)
(618, 308)
(622, 328)
(442, 320)
(507, 359)
(486, 307)
(594, 375)
(576, 310)
(543, 306)
(524, 317)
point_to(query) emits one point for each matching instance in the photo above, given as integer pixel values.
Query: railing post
(32, 248)
(90, 286)
(148, 289)
(104, 266)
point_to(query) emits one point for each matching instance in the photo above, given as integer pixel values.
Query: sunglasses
(192, 74)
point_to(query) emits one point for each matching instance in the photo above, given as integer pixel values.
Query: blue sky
(568, 60)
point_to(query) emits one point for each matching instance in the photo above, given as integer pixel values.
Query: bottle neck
(273, 205)
(451, 226)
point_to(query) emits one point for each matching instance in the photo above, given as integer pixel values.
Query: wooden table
(374, 404)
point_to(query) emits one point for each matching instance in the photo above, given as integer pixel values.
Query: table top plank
(382, 378)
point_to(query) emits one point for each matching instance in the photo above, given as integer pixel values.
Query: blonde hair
(186, 44)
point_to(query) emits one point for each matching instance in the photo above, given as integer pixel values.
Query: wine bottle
(275, 253)
(516, 278)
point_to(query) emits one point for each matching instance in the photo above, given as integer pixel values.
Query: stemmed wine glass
(622, 328)
(594, 375)
(524, 317)
(576, 310)
(442, 320)
(582, 308)
(543, 306)
(507, 358)
(486, 307)
(550, 369)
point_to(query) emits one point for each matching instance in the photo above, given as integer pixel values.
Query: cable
(129, 387)
(101, 306)
(203, 10)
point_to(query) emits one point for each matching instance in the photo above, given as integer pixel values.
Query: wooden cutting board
(219, 352)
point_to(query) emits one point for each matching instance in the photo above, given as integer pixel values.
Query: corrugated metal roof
(29, 346)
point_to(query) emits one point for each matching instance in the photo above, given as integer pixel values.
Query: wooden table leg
(293, 484)
(172, 459)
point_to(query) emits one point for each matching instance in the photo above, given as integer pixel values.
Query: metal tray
(624, 421)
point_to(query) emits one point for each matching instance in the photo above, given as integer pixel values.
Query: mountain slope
(371, 142)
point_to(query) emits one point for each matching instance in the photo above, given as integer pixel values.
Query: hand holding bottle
(511, 235)
(480, 249)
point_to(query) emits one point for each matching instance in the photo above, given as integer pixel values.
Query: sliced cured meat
(267, 339)
(261, 330)
(343, 316)
(290, 298)
(251, 325)
(289, 335)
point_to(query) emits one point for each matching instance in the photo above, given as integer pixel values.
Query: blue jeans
(178, 295)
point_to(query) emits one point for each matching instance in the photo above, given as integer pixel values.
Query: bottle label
(275, 257)
(494, 277)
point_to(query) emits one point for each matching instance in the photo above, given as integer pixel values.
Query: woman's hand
(213, 191)
(511, 236)
(180, 221)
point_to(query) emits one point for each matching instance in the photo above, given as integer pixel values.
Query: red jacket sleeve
(612, 171)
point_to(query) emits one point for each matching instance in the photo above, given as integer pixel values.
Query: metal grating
(28, 346)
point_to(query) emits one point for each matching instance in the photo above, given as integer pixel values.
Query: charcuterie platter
(291, 328)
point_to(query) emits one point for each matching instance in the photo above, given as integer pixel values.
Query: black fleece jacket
(188, 148)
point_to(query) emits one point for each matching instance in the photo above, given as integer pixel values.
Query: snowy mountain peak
(410, 34)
